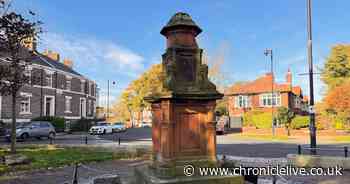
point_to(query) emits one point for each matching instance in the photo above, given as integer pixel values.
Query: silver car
(35, 129)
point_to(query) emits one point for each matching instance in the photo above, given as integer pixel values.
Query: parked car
(2, 129)
(118, 127)
(101, 127)
(145, 125)
(35, 129)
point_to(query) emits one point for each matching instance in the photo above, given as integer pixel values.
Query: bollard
(346, 151)
(299, 149)
(119, 141)
(274, 180)
(86, 140)
(75, 174)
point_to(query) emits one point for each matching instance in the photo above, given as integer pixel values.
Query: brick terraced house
(60, 91)
(257, 95)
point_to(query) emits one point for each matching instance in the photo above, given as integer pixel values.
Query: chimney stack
(289, 77)
(52, 55)
(68, 63)
(29, 43)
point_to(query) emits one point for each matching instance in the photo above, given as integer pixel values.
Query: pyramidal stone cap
(181, 19)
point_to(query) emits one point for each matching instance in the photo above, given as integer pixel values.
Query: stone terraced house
(60, 91)
(256, 95)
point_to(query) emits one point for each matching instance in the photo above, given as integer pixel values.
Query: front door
(49, 106)
(82, 107)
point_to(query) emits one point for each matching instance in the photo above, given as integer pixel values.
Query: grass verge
(342, 138)
(260, 137)
(53, 157)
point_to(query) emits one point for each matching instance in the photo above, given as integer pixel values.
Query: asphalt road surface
(225, 143)
(228, 146)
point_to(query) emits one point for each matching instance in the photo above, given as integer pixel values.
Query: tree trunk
(288, 129)
(13, 126)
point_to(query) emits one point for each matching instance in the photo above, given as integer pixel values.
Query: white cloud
(92, 56)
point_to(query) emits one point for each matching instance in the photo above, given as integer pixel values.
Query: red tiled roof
(262, 85)
(297, 90)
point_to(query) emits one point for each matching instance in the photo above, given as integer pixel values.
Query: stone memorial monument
(183, 130)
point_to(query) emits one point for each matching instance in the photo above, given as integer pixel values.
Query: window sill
(25, 113)
(67, 111)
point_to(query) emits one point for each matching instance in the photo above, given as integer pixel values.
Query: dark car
(35, 129)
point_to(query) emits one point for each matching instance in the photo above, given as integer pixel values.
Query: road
(228, 146)
(225, 143)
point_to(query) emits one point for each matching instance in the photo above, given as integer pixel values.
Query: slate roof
(43, 60)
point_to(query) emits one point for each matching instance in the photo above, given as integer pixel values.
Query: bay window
(269, 99)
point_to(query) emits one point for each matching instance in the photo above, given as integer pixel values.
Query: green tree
(337, 67)
(285, 116)
(149, 83)
(221, 106)
(15, 32)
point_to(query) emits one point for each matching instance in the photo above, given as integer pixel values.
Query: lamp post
(311, 81)
(113, 82)
(268, 52)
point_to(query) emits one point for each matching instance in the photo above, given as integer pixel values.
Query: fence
(345, 150)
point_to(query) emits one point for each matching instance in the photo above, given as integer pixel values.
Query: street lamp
(268, 52)
(311, 81)
(113, 83)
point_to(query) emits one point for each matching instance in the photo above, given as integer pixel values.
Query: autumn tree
(15, 31)
(216, 64)
(337, 67)
(132, 99)
(338, 102)
(336, 75)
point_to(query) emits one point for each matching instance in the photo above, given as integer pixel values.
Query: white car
(145, 125)
(101, 128)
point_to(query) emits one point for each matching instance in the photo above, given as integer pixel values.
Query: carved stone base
(146, 175)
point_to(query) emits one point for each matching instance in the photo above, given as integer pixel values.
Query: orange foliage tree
(338, 101)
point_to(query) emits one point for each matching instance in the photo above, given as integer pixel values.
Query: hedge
(258, 119)
(300, 122)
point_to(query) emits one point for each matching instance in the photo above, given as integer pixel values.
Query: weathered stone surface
(16, 159)
(107, 179)
(185, 75)
(145, 175)
(318, 161)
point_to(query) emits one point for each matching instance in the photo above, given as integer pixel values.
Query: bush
(300, 122)
(262, 120)
(258, 119)
(57, 122)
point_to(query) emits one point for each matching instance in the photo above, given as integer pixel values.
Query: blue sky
(118, 40)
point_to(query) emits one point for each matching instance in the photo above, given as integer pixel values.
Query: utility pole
(311, 81)
(107, 99)
(113, 83)
(269, 52)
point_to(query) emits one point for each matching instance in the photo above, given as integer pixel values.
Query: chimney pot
(68, 63)
(52, 55)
